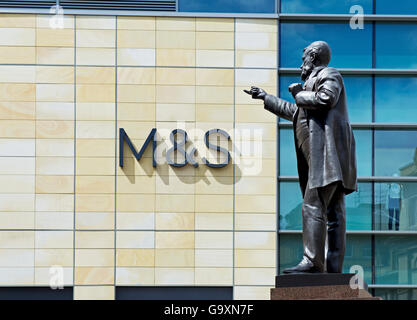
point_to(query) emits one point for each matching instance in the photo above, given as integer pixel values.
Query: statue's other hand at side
(295, 88)
(256, 93)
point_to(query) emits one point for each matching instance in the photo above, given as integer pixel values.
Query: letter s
(218, 148)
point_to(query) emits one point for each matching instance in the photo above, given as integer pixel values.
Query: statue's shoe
(305, 266)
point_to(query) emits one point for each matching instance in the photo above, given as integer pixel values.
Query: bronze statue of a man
(326, 160)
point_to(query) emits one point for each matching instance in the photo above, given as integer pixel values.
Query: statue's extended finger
(247, 91)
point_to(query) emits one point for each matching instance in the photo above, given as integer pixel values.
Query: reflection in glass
(403, 54)
(396, 152)
(358, 252)
(238, 6)
(396, 294)
(395, 99)
(400, 7)
(396, 206)
(358, 94)
(358, 207)
(287, 155)
(350, 48)
(314, 6)
(396, 259)
(288, 158)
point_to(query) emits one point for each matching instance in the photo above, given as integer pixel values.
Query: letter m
(124, 137)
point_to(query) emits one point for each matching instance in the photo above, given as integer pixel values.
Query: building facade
(72, 214)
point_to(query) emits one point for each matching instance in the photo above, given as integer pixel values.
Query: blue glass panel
(397, 7)
(358, 93)
(395, 99)
(395, 152)
(287, 155)
(358, 207)
(359, 98)
(358, 252)
(237, 6)
(290, 200)
(395, 259)
(396, 294)
(288, 159)
(350, 48)
(395, 45)
(396, 206)
(320, 6)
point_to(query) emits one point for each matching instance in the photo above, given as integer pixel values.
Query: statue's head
(315, 55)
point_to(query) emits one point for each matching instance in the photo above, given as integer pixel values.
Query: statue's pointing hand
(256, 93)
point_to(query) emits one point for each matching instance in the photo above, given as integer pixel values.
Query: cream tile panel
(214, 203)
(136, 184)
(60, 129)
(135, 203)
(135, 23)
(258, 77)
(95, 147)
(94, 220)
(95, 93)
(136, 57)
(17, 220)
(51, 257)
(214, 77)
(54, 37)
(176, 57)
(95, 166)
(17, 239)
(55, 55)
(98, 75)
(215, 58)
(136, 93)
(214, 185)
(54, 220)
(255, 221)
(135, 257)
(180, 240)
(54, 239)
(136, 75)
(16, 74)
(175, 76)
(17, 110)
(17, 202)
(212, 94)
(16, 276)
(44, 21)
(174, 23)
(94, 239)
(214, 24)
(256, 59)
(135, 220)
(215, 40)
(94, 293)
(174, 221)
(55, 202)
(137, 276)
(213, 258)
(175, 112)
(174, 276)
(256, 41)
(54, 74)
(17, 92)
(255, 203)
(55, 165)
(17, 20)
(95, 22)
(136, 111)
(96, 39)
(42, 276)
(256, 25)
(17, 257)
(256, 185)
(94, 276)
(214, 276)
(174, 185)
(95, 184)
(17, 129)
(135, 239)
(17, 37)
(55, 92)
(18, 165)
(96, 111)
(214, 113)
(174, 258)
(175, 39)
(18, 55)
(94, 202)
(214, 221)
(17, 148)
(94, 257)
(95, 56)
(252, 293)
(255, 258)
(255, 240)
(174, 203)
(95, 129)
(54, 184)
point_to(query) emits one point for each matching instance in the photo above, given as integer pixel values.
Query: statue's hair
(322, 49)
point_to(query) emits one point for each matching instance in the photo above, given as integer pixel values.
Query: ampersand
(177, 146)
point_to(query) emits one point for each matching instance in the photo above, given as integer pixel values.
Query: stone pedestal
(318, 286)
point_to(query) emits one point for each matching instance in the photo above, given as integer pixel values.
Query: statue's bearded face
(308, 64)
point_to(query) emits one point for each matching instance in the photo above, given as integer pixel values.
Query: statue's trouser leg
(314, 210)
(336, 232)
